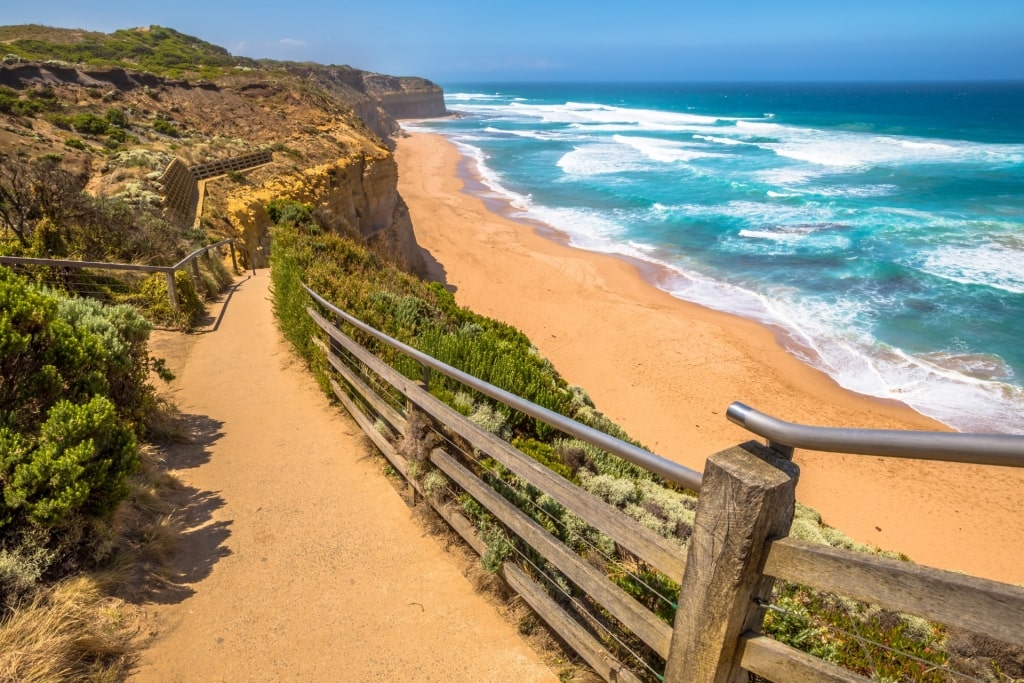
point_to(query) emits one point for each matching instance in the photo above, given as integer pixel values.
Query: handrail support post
(747, 497)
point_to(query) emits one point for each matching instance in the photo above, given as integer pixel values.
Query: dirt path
(301, 562)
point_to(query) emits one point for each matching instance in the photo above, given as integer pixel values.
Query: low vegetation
(75, 403)
(45, 213)
(154, 49)
(425, 316)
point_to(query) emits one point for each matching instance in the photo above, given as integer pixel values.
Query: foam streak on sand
(666, 370)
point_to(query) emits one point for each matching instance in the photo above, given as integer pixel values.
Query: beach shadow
(202, 432)
(436, 271)
(211, 324)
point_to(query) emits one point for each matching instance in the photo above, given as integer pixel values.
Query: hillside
(119, 107)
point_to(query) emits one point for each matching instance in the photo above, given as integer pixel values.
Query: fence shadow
(211, 324)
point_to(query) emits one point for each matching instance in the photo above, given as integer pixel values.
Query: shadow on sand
(202, 542)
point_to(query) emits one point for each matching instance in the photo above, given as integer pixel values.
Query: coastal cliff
(329, 129)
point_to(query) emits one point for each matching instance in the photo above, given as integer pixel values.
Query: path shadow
(203, 540)
(202, 544)
(202, 432)
(211, 324)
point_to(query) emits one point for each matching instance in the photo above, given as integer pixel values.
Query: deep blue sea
(879, 228)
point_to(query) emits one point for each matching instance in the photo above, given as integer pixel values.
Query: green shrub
(165, 127)
(76, 143)
(88, 124)
(73, 394)
(115, 116)
(79, 462)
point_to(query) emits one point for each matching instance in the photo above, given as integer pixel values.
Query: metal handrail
(672, 471)
(168, 271)
(197, 252)
(1006, 450)
(65, 263)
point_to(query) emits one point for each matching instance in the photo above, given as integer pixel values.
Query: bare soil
(300, 561)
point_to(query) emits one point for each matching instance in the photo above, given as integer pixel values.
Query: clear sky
(453, 41)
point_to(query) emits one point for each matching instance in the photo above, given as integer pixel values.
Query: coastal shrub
(88, 124)
(79, 462)
(115, 116)
(74, 394)
(165, 127)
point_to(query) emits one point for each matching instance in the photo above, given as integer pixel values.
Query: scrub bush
(73, 394)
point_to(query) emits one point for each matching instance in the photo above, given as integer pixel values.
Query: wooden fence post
(195, 271)
(747, 498)
(234, 259)
(172, 290)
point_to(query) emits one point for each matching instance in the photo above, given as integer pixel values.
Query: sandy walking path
(666, 370)
(301, 563)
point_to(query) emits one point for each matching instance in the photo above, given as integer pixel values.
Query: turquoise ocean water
(878, 228)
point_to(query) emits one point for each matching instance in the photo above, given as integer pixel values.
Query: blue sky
(552, 40)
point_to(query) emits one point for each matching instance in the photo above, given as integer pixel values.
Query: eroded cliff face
(357, 194)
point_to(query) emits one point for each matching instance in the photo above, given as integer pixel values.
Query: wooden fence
(191, 262)
(738, 546)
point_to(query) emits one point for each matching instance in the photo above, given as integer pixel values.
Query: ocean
(878, 228)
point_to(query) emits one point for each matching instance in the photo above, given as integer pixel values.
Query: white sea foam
(835, 335)
(774, 235)
(989, 265)
(665, 151)
(720, 140)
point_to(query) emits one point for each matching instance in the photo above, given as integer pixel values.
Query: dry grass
(72, 631)
(77, 630)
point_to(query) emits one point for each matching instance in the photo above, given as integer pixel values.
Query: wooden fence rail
(738, 546)
(191, 261)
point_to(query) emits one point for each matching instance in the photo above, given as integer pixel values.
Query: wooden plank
(661, 553)
(747, 497)
(376, 437)
(381, 407)
(588, 647)
(778, 662)
(634, 616)
(979, 605)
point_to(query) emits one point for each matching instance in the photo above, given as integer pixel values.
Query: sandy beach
(667, 370)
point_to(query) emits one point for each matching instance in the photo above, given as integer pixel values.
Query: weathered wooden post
(747, 498)
(172, 290)
(195, 271)
(234, 259)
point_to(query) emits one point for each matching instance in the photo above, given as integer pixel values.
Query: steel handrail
(197, 252)
(66, 263)
(672, 471)
(1006, 450)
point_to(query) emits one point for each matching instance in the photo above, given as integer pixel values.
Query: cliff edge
(119, 107)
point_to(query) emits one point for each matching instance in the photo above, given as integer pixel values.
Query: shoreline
(667, 369)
